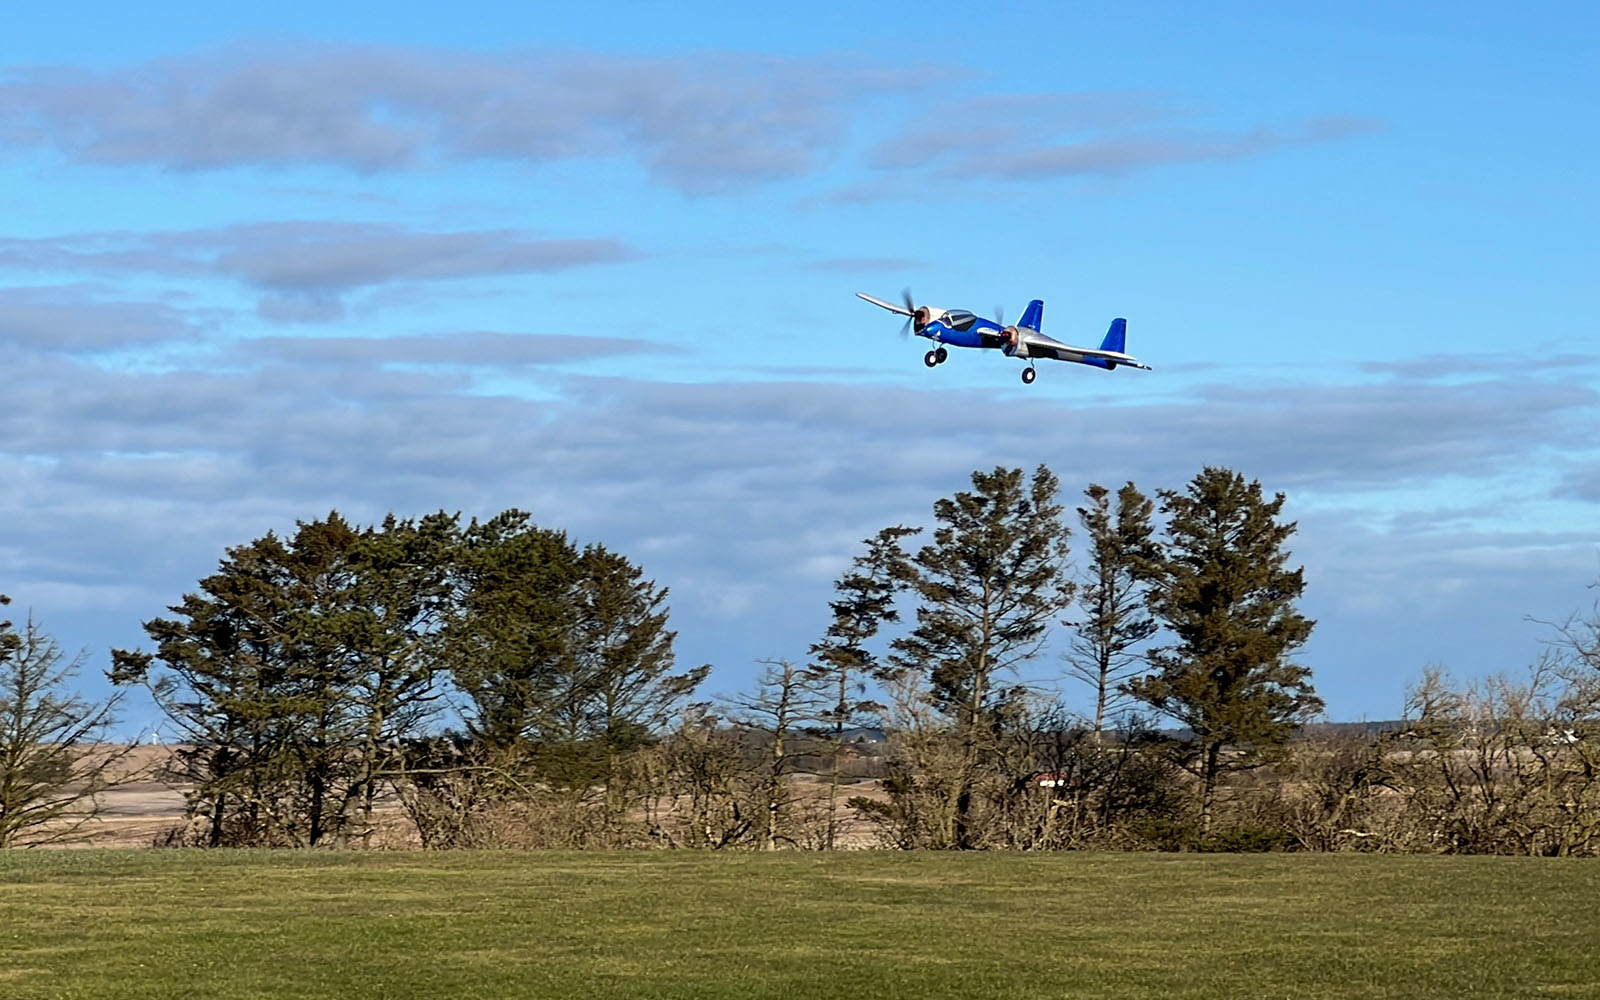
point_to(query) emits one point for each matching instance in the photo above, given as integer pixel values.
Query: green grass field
(160, 924)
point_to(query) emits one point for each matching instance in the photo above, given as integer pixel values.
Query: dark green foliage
(511, 632)
(624, 652)
(10, 641)
(300, 669)
(565, 654)
(399, 597)
(1220, 586)
(864, 604)
(293, 668)
(987, 588)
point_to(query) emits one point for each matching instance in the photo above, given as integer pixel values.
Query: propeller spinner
(917, 316)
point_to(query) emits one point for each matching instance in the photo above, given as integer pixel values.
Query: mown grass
(148, 924)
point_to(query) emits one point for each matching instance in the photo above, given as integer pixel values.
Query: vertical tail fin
(1116, 337)
(1033, 315)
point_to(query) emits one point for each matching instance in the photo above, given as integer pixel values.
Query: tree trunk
(317, 789)
(1208, 789)
(969, 755)
(1100, 703)
(218, 805)
(775, 789)
(838, 750)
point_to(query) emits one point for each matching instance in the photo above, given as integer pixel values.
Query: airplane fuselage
(962, 329)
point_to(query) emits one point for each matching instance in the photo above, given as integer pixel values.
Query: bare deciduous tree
(54, 758)
(785, 700)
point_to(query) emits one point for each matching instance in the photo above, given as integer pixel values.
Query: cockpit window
(958, 319)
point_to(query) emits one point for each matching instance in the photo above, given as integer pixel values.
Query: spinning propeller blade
(911, 313)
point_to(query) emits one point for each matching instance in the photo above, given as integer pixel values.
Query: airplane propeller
(911, 314)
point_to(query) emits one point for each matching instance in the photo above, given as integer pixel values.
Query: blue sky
(598, 263)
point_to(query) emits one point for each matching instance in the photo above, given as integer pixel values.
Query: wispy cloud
(705, 124)
(1449, 366)
(699, 124)
(467, 350)
(1044, 136)
(80, 318)
(304, 269)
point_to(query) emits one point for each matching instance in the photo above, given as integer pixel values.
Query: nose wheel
(1028, 375)
(936, 357)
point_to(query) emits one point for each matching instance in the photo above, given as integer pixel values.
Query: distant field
(160, 924)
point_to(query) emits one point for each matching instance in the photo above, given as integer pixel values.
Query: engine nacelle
(925, 315)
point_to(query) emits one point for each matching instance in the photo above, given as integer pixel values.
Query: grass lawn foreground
(225, 924)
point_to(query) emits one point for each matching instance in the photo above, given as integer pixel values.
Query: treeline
(442, 684)
(310, 674)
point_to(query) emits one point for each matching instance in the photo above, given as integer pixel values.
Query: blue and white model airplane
(1020, 340)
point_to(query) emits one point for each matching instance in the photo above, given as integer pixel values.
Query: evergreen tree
(623, 691)
(565, 654)
(1112, 617)
(228, 678)
(1221, 587)
(865, 603)
(988, 587)
(400, 596)
(294, 670)
(511, 632)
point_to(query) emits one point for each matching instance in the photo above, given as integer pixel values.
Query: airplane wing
(1044, 347)
(901, 310)
(1117, 356)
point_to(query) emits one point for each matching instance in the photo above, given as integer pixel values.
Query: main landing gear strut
(936, 357)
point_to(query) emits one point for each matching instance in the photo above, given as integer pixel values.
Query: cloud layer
(698, 124)
(1112, 134)
(79, 318)
(304, 269)
(706, 124)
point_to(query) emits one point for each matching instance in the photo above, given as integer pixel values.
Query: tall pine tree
(1221, 587)
(1112, 617)
(865, 603)
(988, 587)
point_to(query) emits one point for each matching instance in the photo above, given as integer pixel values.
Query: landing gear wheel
(1028, 375)
(931, 358)
(941, 355)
